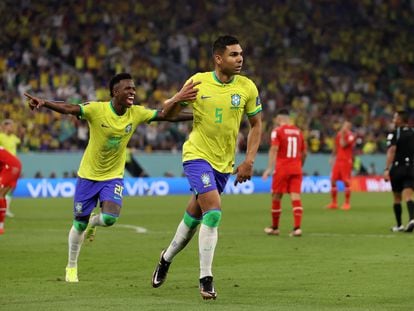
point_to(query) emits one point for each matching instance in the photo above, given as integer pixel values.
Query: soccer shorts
(88, 192)
(203, 177)
(10, 173)
(286, 183)
(402, 177)
(342, 171)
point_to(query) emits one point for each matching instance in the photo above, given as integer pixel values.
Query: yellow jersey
(9, 142)
(104, 157)
(218, 111)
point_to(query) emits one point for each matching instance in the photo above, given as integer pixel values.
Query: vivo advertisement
(65, 187)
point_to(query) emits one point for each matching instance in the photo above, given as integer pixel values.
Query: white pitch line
(137, 229)
(352, 235)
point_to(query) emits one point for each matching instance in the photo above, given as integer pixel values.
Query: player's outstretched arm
(64, 108)
(181, 116)
(245, 170)
(172, 106)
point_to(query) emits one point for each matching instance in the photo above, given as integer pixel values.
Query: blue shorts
(203, 177)
(88, 192)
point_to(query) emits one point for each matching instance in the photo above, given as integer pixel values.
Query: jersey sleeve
(146, 115)
(253, 105)
(87, 110)
(391, 139)
(274, 138)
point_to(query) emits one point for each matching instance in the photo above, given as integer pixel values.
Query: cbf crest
(235, 100)
(205, 179)
(128, 128)
(78, 208)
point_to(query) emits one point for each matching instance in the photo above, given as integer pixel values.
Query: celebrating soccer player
(209, 153)
(399, 168)
(342, 168)
(288, 149)
(100, 175)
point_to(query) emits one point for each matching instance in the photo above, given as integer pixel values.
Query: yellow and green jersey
(218, 111)
(109, 133)
(9, 142)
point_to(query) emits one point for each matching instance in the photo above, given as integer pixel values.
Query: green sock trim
(190, 221)
(108, 219)
(212, 218)
(80, 226)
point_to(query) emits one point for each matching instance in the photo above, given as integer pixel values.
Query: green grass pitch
(346, 260)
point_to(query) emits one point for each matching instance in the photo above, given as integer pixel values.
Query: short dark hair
(116, 79)
(219, 46)
(283, 112)
(404, 116)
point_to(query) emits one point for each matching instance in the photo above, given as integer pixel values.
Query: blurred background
(326, 60)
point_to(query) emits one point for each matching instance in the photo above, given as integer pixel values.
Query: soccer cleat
(160, 273)
(410, 226)
(397, 228)
(90, 231)
(71, 275)
(271, 231)
(296, 233)
(207, 290)
(9, 213)
(346, 206)
(332, 206)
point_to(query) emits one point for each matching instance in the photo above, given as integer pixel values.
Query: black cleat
(410, 226)
(160, 272)
(207, 290)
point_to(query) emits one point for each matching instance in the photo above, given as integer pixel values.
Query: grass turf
(346, 260)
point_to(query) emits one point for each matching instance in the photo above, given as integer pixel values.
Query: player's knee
(80, 226)
(212, 218)
(109, 219)
(190, 221)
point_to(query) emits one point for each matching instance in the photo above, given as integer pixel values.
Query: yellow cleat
(71, 275)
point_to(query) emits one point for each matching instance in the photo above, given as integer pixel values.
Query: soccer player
(209, 154)
(342, 168)
(100, 175)
(399, 168)
(288, 149)
(10, 142)
(10, 168)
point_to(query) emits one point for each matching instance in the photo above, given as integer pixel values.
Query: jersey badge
(128, 128)
(235, 100)
(205, 178)
(78, 208)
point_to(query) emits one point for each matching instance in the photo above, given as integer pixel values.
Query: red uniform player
(10, 168)
(288, 149)
(342, 168)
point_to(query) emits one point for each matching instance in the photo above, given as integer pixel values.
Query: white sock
(183, 235)
(207, 241)
(8, 200)
(97, 220)
(75, 242)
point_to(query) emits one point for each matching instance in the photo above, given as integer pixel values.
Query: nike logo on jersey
(105, 126)
(205, 97)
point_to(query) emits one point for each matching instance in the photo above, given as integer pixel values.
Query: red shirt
(344, 153)
(291, 145)
(6, 158)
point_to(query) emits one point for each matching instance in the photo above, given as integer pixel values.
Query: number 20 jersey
(291, 147)
(218, 111)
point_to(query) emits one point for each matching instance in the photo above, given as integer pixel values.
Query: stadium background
(325, 59)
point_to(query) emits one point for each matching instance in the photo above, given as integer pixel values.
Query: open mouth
(130, 100)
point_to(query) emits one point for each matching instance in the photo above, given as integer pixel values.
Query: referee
(399, 168)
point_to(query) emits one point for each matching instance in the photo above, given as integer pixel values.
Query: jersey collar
(218, 81)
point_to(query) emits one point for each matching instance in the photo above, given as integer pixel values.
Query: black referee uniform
(402, 167)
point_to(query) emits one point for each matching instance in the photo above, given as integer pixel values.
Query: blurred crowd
(326, 60)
